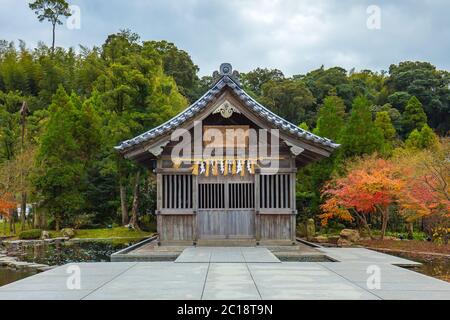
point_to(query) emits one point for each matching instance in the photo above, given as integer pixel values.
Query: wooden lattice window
(241, 195)
(177, 191)
(211, 196)
(275, 191)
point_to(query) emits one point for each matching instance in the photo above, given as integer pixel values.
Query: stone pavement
(211, 280)
(227, 255)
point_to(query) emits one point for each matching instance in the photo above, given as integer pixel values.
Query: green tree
(135, 95)
(414, 116)
(52, 11)
(383, 121)
(178, 64)
(65, 155)
(9, 124)
(422, 139)
(429, 85)
(323, 81)
(360, 135)
(304, 126)
(290, 99)
(254, 80)
(399, 100)
(331, 118)
(394, 115)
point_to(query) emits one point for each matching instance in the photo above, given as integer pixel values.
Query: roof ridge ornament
(226, 70)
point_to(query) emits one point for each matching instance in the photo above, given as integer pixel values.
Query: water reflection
(8, 275)
(55, 254)
(437, 267)
(60, 253)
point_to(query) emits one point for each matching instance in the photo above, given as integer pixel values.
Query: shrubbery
(30, 234)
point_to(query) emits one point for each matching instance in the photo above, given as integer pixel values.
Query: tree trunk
(57, 222)
(35, 219)
(410, 231)
(134, 211)
(364, 222)
(385, 214)
(12, 222)
(23, 211)
(53, 39)
(124, 205)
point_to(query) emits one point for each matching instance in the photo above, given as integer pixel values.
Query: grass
(5, 232)
(119, 232)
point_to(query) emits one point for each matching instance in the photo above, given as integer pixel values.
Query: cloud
(291, 35)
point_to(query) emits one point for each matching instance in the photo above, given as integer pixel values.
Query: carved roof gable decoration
(226, 110)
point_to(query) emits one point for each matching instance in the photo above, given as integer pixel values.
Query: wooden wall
(178, 228)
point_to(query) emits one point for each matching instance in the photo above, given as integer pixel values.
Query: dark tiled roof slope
(199, 105)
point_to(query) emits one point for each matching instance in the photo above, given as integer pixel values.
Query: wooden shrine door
(226, 207)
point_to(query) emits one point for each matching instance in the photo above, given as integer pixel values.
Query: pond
(58, 253)
(436, 267)
(10, 275)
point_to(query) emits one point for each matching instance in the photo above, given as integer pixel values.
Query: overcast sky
(295, 36)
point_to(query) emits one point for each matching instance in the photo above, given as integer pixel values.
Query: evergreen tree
(414, 116)
(65, 154)
(52, 11)
(422, 139)
(360, 135)
(331, 118)
(383, 121)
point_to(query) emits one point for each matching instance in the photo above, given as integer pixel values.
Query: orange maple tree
(427, 188)
(371, 185)
(6, 205)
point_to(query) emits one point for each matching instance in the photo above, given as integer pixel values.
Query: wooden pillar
(195, 207)
(257, 207)
(294, 205)
(159, 201)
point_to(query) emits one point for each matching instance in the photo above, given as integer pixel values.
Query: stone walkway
(227, 255)
(346, 280)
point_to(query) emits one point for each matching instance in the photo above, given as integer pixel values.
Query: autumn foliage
(427, 191)
(416, 182)
(370, 186)
(6, 205)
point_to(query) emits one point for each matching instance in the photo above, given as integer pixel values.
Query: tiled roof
(200, 105)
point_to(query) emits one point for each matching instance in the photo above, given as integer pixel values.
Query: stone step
(227, 243)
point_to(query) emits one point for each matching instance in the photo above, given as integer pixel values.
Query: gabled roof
(227, 79)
